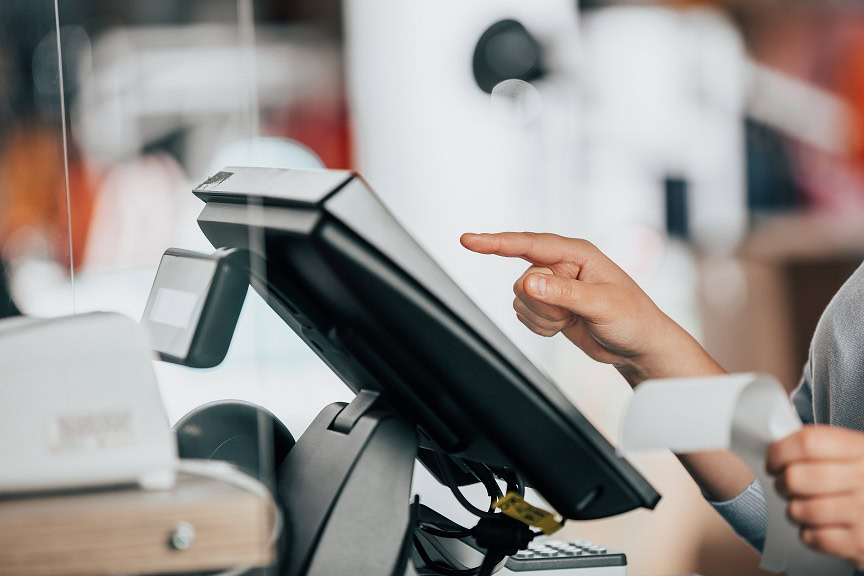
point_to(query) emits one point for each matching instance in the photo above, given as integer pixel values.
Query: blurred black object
(589, 5)
(7, 305)
(771, 184)
(677, 221)
(243, 434)
(506, 51)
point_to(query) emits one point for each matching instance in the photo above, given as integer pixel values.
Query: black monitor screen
(356, 287)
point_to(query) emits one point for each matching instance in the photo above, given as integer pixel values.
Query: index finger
(535, 248)
(815, 443)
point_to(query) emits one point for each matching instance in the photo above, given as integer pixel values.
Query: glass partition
(36, 255)
(159, 97)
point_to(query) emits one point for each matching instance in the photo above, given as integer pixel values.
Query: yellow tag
(515, 506)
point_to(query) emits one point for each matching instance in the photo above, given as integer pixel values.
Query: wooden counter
(129, 531)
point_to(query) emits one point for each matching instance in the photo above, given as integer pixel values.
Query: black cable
(514, 481)
(437, 566)
(480, 471)
(489, 562)
(520, 482)
(451, 483)
(441, 533)
(485, 475)
(434, 530)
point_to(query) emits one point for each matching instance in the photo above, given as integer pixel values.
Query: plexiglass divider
(36, 252)
(157, 100)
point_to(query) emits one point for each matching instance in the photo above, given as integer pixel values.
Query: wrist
(672, 353)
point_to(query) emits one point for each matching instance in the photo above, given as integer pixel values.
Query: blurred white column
(664, 96)
(440, 155)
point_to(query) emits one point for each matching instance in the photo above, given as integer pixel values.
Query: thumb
(574, 295)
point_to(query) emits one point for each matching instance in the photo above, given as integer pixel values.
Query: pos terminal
(435, 380)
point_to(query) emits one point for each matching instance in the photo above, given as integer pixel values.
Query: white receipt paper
(741, 412)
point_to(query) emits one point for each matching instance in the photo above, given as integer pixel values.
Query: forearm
(721, 475)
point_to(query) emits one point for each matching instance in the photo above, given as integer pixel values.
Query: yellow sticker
(516, 507)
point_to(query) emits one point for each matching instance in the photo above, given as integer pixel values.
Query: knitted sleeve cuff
(747, 513)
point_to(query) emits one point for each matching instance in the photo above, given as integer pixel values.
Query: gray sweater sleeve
(747, 512)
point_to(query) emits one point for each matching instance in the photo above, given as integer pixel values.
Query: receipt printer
(80, 406)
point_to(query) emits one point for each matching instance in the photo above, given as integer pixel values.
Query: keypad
(548, 553)
(551, 548)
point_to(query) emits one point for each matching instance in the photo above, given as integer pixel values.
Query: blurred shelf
(806, 236)
(128, 531)
(760, 314)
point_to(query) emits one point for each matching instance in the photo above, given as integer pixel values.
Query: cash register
(435, 381)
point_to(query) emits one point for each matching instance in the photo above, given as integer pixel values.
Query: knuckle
(547, 328)
(808, 441)
(585, 247)
(531, 241)
(560, 316)
(796, 510)
(772, 456)
(824, 540)
(793, 477)
(535, 329)
(539, 330)
(565, 290)
(821, 540)
(588, 245)
(538, 321)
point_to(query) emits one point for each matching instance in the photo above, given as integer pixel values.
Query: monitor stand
(345, 490)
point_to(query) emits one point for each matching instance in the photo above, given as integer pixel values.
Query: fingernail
(807, 536)
(537, 284)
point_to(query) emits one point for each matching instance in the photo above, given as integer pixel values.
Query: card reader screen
(176, 302)
(174, 307)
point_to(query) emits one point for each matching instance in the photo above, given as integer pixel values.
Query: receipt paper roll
(744, 413)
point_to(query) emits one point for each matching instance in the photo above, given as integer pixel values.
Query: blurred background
(713, 149)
